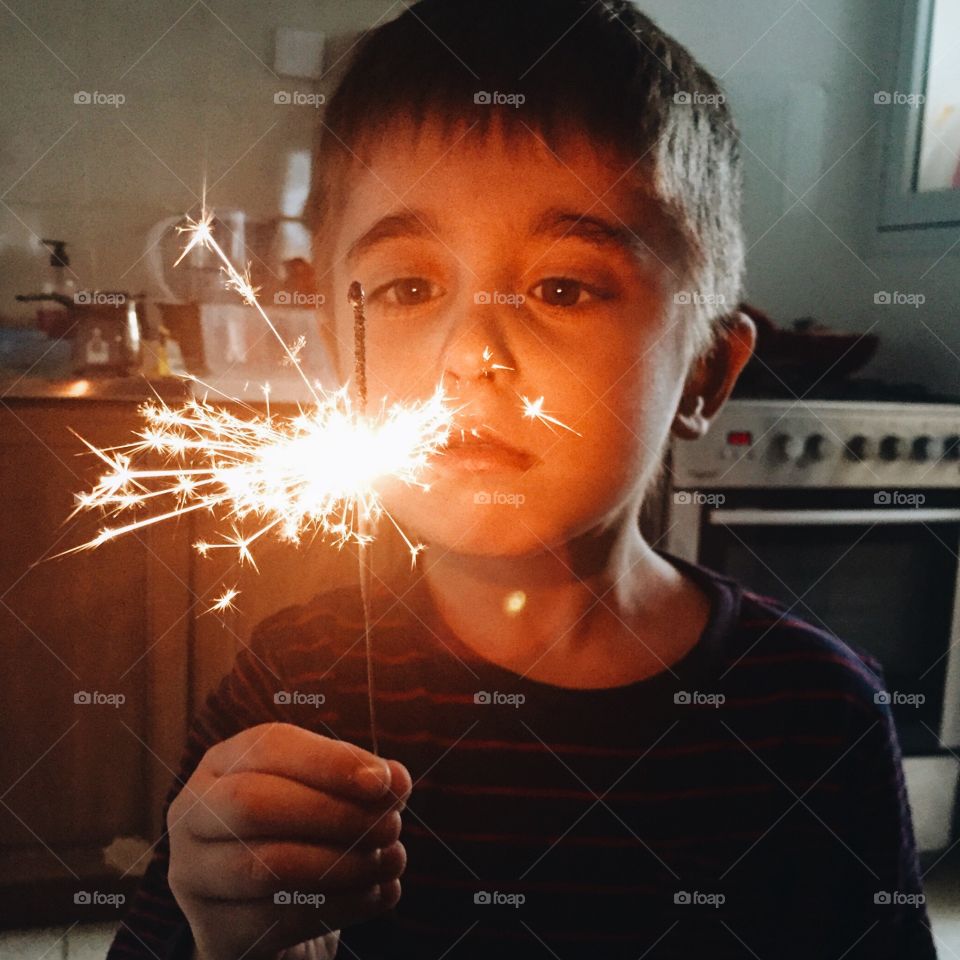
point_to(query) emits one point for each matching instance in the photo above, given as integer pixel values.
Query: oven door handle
(799, 518)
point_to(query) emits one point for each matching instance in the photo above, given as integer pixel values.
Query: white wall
(801, 76)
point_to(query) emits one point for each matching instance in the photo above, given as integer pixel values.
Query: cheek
(396, 368)
(388, 367)
(629, 419)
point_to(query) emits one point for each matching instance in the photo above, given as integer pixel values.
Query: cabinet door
(95, 684)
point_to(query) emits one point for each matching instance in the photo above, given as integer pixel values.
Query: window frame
(902, 206)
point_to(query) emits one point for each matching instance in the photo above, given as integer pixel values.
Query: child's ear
(713, 375)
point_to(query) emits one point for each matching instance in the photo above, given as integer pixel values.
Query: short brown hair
(602, 69)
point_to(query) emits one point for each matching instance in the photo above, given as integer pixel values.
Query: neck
(556, 603)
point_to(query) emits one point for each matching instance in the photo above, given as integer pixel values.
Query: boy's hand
(277, 839)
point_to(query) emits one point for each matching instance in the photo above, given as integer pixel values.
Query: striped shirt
(748, 801)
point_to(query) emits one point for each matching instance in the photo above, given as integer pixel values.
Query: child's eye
(564, 292)
(407, 291)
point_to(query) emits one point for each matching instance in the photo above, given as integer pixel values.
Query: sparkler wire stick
(356, 297)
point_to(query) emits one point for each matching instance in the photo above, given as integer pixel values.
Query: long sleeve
(154, 926)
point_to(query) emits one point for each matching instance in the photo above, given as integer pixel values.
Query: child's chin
(478, 527)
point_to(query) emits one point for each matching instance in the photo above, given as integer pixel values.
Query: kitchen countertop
(119, 389)
(286, 389)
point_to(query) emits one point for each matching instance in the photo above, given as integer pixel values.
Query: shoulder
(769, 640)
(767, 644)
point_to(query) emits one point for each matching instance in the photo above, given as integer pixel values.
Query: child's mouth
(482, 453)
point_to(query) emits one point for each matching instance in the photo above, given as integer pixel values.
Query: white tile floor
(80, 942)
(942, 887)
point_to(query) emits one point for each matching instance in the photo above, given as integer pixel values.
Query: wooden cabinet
(107, 653)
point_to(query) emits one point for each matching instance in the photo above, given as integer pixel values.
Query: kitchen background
(198, 80)
(199, 83)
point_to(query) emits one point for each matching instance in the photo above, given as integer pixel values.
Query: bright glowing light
(514, 602)
(225, 601)
(533, 410)
(319, 471)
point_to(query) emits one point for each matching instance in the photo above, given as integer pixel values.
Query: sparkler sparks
(225, 601)
(320, 471)
(533, 410)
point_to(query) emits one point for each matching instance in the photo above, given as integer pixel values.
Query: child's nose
(477, 346)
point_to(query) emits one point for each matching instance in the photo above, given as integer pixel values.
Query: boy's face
(471, 226)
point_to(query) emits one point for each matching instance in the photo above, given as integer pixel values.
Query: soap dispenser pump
(59, 281)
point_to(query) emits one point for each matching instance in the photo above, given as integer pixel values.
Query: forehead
(406, 148)
(500, 175)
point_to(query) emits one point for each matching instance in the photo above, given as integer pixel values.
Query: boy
(593, 748)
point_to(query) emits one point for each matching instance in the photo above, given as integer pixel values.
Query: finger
(232, 870)
(252, 806)
(333, 766)
(401, 784)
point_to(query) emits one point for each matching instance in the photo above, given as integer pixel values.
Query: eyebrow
(556, 222)
(602, 233)
(409, 223)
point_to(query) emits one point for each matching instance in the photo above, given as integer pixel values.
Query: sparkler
(533, 410)
(357, 299)
(319, 471)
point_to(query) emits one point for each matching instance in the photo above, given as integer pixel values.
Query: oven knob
(890, 447)
(787, 447)
(858, 447)
(951, 447)
(816, 446)
(920, 450)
